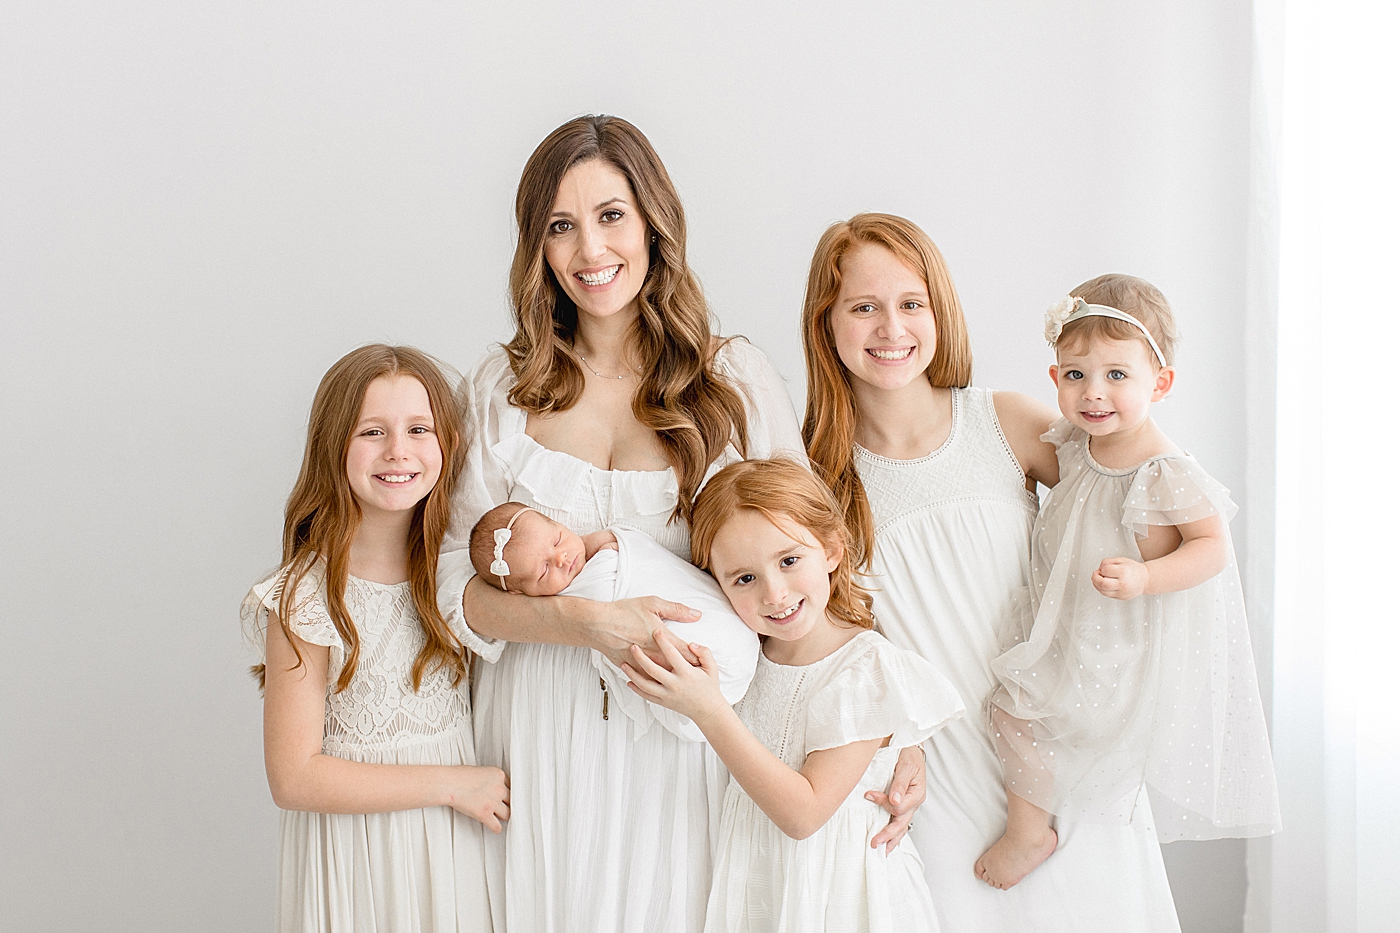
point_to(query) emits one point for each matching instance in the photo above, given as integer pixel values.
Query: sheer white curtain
(1323, 350)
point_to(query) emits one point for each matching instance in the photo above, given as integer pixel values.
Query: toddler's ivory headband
(1068, 310)
(498, 563)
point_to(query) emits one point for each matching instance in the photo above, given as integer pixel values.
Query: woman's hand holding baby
(689, 688)
(1121, 578)
(619, 626)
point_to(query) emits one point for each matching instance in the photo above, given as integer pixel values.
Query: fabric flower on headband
(499, 566)
(1056, 317)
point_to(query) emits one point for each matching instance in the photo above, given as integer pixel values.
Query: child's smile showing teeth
(787, 613)
(396, 478)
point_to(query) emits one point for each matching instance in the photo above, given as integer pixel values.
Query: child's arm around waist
(301, 777)
(798, 802)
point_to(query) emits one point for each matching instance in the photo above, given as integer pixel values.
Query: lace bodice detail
(975, 462)
(379, 709)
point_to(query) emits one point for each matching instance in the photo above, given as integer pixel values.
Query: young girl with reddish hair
(830, 707)
(366, 718)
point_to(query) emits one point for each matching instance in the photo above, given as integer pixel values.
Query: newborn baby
(520, 550)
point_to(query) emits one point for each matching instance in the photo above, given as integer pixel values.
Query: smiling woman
(609, 407)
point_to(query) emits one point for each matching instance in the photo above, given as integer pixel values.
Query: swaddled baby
(520, 550)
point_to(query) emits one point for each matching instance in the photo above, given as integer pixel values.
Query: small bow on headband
(499, 566)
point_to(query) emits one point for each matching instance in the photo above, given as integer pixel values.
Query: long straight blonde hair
(829, 426)
(322, 514)
(692, 408)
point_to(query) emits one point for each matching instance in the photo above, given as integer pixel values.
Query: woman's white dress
(408, 870)
(768, 882)
(951, 559)
(608, 831)
(1161, 688)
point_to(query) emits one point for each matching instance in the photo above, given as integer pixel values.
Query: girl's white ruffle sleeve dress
(421, 870)
(1159, 689)
(610, 830)
(951, 562)
(768, 882)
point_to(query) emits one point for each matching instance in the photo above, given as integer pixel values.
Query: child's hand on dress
(689, 689)
(1121, 578)
(481, 793)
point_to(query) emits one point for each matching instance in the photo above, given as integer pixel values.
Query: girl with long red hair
(937, 481)
(366, 717)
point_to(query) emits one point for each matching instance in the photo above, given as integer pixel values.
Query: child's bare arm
(302, 778)
(1202, 554)
(798, 802)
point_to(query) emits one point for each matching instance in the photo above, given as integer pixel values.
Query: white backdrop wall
(203, 205)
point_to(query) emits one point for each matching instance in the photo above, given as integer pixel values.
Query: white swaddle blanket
(641, 567)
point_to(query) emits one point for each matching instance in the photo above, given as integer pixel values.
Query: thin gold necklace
(594, 371)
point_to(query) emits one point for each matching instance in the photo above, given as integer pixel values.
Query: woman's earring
(653, 239)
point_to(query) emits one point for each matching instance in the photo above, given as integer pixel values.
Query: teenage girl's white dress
(1113, 692)
(768, 882)
(409, 870)
(951, 560)
(609, 830)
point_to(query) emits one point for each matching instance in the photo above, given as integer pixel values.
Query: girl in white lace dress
(937, 478)
(367, 722)
(1136, 664)
(831, 704)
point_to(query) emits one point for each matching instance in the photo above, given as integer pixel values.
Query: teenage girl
(829, 708)
(936, 478)
(366, 718)
(1136, 665)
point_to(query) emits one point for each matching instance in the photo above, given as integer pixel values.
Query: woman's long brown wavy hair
(692, 408)
(780, 488)
(322, 514)
(829, 426)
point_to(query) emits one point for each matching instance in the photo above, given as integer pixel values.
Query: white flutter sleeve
(1174, 491)
(881, 690)
(309, 619)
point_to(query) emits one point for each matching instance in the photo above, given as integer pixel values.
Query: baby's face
(1106, 386)
(544, 556)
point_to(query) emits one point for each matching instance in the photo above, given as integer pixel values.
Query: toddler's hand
(481, 793)
(691, 690)
(1121, 578)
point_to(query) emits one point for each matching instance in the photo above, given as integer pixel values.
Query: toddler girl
(1134, 664)
(831, 704)
(366, 723)
(519, 549)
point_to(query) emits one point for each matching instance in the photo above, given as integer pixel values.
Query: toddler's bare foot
(1012, 857)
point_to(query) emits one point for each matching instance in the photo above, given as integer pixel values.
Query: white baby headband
(498, 554)
(1068, 310)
